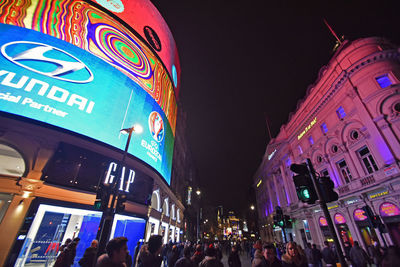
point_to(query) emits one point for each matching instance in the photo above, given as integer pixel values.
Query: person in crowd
(89, 256)
(173, 256)
(234, 259)
(128, 260)
(269, 253)
(328, 255)
(210, 259)
(67, 242)
(358, 256)
(135, 255)
(151, 256)
(317, 256)
(219, 252)
(198, 255)
(391, 258)
(347, 248)
(376, 252)
(115, 256)
(258, 260)
(185, 261)
(309, 255)
(67, 256)
(256, 246)
(292, 257)
(143, 249)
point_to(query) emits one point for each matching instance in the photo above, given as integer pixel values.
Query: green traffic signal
(305, 194)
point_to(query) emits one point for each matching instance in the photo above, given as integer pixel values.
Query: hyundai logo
(47, 60)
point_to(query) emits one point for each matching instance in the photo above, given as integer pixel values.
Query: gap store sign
(52, 81)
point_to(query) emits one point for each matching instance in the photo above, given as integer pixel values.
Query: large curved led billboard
(88, 27)
(50, 80)
(145, 19)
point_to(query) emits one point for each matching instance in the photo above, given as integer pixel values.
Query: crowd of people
(155, 254)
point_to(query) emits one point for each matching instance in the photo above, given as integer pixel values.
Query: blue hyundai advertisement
(52, 81)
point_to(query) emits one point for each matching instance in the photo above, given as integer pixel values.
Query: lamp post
(103, 235)
(198, 192)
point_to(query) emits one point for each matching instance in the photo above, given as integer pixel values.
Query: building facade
(348, 125)
(74, 76)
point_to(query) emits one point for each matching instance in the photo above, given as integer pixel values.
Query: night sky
(243, 61)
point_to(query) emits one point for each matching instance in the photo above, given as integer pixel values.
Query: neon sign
(323, 221)
(123, 184)
(307, 128)
(339, 219)
(359, 215)
(259, 183)
(271, 155)
(388, 209)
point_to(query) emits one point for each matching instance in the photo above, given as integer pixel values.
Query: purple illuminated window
(340, 112)
(384, 81)
(324, 128)
(311, 140)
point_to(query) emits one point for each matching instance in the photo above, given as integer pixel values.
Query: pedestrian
(269, 253)
(309, 255)
(347, 248)
(219, 252)
(317, 256)
(391, 257)
(210, 259)
(358, 256)
(67, 256)
(234, 258)
(376, 252)
(135, 255)
(89, 256)
(173, 256)
(185, 261)
(151, 256)
(328, 256)
(143, 249)
(67, 242)
(198, 255)
(258, 260)
(115, 256)
(292, 258)
(257, 246)
(128, 260)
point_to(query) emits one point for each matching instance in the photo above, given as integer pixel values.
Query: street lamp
(108, 215)
(252, 207)
(198, 192)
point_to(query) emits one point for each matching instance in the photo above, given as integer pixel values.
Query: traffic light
(102, 198)
(121, 203)
(374, 221)
(303, 183)
(278, 221)
(327, 192)
(287, 221)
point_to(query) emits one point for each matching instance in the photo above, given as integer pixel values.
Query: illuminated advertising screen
(49, 80)
(145, 19)
(94, 30)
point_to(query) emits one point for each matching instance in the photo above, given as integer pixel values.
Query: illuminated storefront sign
(62, 85)
(359, 215)
(379, 193)
(339, 219)
(388, 209)
(322, 221)
(307, 128)
(123, 184)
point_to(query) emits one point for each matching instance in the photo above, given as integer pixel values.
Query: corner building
(348, 124)
(73, 74)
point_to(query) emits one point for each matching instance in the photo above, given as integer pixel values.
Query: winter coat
(197, 258)
(259, 260)
(328, 256)
(234, 260)
(288, 261)
(147, 259)
(359, 257)
(105, 261)
(184, 262)
(210, 262)
(89, 257)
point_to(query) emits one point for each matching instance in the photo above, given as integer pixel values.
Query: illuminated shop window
(340, 112)
(311, 140)
(367, 160)
(324, 128)
(11, 162)
(344, 171)
(383, 81)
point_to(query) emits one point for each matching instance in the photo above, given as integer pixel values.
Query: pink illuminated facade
(348, 124)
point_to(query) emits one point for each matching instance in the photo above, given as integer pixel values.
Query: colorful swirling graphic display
(89, 28)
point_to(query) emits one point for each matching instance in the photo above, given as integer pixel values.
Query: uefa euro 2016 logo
(156, 126)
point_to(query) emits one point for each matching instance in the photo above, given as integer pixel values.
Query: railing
(367, 180)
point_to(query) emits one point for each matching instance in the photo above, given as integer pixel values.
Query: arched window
(11, 161)
(173, 212)
(155, 200)
(165, 207)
